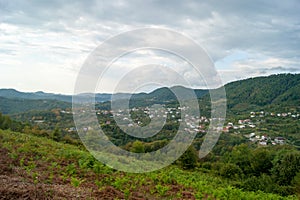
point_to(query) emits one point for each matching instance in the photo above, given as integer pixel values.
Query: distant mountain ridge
(12, 93)
(164, 94)
(281, 89)
(18, 105)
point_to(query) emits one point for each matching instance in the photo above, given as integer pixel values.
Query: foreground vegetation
(45, 161)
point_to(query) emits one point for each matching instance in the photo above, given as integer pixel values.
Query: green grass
(78, 168)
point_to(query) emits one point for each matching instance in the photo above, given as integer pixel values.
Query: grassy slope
(54, 170)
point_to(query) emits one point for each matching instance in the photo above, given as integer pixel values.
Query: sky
(44, 44)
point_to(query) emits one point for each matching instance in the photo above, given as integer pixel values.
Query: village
(194, 124)
(261, 139)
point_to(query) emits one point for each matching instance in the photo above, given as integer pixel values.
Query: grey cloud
(269, 27)
(283, 69)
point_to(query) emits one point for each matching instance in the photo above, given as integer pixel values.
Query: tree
(286, 167)
(261, 161)
(56, 134)
(189, 159)
(138, 147)
(6, 122)
(1, 120)
(263, 183)
(296, 183)
(240, 156)
(230, 170)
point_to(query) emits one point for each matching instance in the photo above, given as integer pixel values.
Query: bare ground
(17, 183)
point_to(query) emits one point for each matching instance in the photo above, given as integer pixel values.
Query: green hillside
(12, 93)
(39, 168)
(17, 105)
(281, 89)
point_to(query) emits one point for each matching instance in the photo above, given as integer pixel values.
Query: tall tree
(189, 159)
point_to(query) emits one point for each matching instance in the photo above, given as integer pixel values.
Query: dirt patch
(110, 193)
(18, 183)
(5, 162)
(15, 183)
(17, 188)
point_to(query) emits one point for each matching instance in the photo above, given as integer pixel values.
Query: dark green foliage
(230, 170)
(261, 161)
(296, 183)
(138, 147)
(286, 167)
(7, 123)
(240, 156)
(56, 134)
(262, 91)
(263, 183)
(273, 169)
(189, 159)
(12, 106)
(156, 145)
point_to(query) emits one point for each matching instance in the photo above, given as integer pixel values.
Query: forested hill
(281, 89)
(162, 95)
(12, 93)
(17, 105)
(243, 95)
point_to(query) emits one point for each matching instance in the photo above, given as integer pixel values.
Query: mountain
(166, 94)
(242, 95)
(161, 94)
(12, 93)
(18, 105)
(281, 89)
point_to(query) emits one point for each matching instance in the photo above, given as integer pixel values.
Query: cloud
(287, 69)
(258, 65)
(61, 34)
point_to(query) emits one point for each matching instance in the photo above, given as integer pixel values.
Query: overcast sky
(43, 44)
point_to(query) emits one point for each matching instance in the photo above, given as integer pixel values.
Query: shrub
(189, 159)
(230, 170)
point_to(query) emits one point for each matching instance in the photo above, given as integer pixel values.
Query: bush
(286, 167)
(189, 159)
(262, 183)
(230, 170)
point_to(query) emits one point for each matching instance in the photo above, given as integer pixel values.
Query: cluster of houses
(262, 140)
(195, 124)
(273, 114)
(265, 140)
(242, 123)
(66, 112)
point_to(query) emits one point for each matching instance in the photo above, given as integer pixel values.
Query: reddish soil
(17, 183)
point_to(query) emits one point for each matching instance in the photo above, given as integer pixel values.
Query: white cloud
(55, 37)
